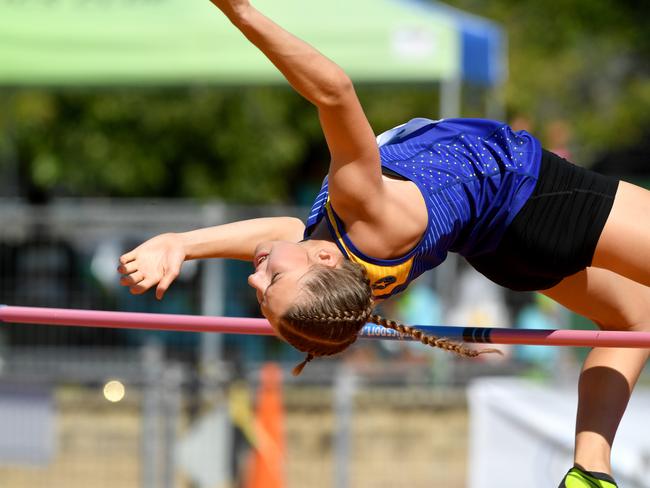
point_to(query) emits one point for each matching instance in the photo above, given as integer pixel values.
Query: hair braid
(430, 340)
(298, 368)
(345, 316)
(355, 318)
(333, 306)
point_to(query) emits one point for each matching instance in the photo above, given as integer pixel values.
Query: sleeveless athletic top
(474, 175)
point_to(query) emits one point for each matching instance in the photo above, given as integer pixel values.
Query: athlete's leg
(609, 374)
(624, 245)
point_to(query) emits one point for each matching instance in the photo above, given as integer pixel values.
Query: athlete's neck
(322, 232)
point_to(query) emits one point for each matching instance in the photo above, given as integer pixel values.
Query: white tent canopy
(69, 42)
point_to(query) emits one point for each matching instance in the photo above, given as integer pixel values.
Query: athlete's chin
(267, 315)
(274, 321)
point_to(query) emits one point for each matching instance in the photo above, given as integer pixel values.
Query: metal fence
(344, 427)
(357, 423)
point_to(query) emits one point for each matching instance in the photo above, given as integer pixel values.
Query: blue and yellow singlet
(474, 174)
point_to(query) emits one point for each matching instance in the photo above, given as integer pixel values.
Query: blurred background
(123, 119)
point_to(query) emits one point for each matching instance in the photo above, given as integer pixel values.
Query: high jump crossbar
(251, 326)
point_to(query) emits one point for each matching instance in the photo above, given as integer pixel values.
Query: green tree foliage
(236, 144)
(252, 145)
(582, 61)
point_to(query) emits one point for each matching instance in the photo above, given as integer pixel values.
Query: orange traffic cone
(266, 465)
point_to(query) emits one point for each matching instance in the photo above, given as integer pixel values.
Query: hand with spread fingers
(157, 261)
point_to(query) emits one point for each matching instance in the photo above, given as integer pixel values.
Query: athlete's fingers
(132, 279)
(142, 286)
(127, 257)
(164, 284)
(127, 268)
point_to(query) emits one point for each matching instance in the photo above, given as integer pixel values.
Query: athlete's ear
(328, 258)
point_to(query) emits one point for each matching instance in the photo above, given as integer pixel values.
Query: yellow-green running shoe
(577, 478)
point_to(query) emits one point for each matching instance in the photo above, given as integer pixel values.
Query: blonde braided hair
(430, 340)
(334, 306)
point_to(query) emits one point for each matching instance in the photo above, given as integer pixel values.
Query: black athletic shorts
(555, 233)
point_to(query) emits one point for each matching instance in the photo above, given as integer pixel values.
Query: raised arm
(355, 171)
(158, 261)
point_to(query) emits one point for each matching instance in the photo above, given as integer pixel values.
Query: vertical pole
(212, 298)
(172, 381)
(345, 386)
(450, 97)
(446, 273)
(212, 304)
(151, 442)
(211, 375)
(496, 104)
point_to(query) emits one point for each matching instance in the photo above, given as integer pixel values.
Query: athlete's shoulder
(441, 129)
(471, 126)
(405, 131)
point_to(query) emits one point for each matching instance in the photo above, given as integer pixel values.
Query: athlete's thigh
(612, 301)
(624, 244)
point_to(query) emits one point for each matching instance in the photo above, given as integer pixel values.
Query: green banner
(108, 42)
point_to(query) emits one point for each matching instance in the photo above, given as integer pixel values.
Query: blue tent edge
(483, 41)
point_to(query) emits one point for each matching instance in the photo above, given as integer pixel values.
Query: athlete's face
(279, 268)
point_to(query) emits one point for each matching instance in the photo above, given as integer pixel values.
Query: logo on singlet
(383, 283)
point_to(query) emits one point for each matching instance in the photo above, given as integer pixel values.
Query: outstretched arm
(158, 261)
(355, 171)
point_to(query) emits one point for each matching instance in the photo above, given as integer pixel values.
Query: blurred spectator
(521, 122)
(480, 303)
(418, 305)
(558, 138)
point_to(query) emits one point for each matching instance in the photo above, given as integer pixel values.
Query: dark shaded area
(630, 163)
(48, 271)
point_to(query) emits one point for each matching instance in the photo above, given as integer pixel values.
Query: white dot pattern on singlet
(466, 178)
